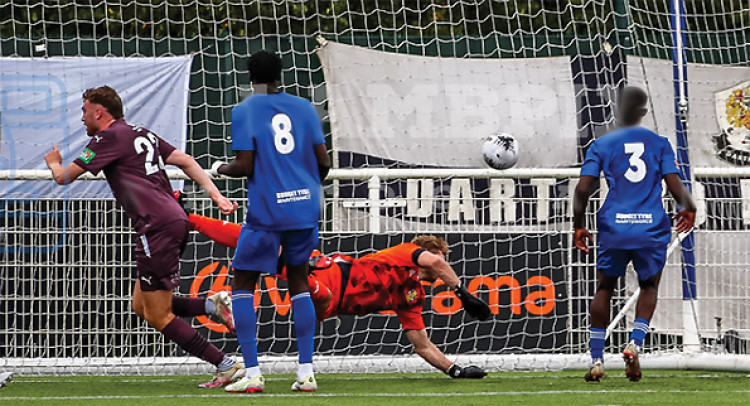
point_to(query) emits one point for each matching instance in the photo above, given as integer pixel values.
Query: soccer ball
(500, 151)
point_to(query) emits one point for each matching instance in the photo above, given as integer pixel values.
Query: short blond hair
(430, 243)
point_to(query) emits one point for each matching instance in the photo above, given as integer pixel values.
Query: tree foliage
(409, 18)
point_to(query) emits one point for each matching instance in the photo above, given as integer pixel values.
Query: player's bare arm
(62, 175)
(437, 264)
(430, 353)
(427, 350)
(242, 165)
(685, 218)
(581, 196)
(191, 168)
(324, 161)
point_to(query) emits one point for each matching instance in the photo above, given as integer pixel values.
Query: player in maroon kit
(133, 160)
(390, 279)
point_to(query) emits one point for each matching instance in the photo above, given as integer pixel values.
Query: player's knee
(649, 284)
(244, 280)
(157, 319)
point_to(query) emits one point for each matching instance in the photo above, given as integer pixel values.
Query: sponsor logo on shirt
(87, 155)
(634, 218)
(292, 196)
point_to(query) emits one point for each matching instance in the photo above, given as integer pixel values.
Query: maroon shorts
(157, 254)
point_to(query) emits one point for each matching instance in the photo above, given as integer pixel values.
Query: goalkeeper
(385, 280)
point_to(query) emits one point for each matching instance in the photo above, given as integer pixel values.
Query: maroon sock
(187, 307)
(180, 332)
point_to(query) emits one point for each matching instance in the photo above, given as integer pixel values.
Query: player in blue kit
(632, 223)
(279, 145)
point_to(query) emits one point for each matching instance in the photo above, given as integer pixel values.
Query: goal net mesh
(67, 265)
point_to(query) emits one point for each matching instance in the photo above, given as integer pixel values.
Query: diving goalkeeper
(389, 279)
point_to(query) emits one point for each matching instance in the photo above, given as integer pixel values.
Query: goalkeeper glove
(470, 372)
(473, 305)
(214, 171)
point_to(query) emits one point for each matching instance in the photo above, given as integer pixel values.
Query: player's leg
(218, 304)
(648, 263)
(246, 325)
(610, 266)
(297, 247)
(157, 256)
(256, 252)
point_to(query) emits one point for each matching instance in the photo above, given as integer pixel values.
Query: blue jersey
(634, 161)
(284, 191)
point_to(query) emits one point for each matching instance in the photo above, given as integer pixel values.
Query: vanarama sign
(505, 294)
(521, 276)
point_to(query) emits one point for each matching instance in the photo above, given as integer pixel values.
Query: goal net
(406, 91)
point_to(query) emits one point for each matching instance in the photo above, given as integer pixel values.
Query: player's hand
(53, 157)
(684, 221)
(472, 304)
(470, 372)
(582, 238)
(225, 205)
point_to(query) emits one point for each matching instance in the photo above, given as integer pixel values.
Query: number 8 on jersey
(282, 136)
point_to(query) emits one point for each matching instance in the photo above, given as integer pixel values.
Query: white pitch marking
(385, 395)
(385, 378)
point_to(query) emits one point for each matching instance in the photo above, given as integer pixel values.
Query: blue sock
(596, 342)
(246, 325)
(303, 313)
(640, 328)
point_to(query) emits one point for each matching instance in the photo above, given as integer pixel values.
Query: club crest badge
(733, 116)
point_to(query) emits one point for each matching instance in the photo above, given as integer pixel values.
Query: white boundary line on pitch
(387, 378)
(385, 395)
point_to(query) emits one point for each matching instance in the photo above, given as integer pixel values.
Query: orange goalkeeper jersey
(384, 280)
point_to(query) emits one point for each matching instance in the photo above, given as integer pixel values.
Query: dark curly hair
(264, 67)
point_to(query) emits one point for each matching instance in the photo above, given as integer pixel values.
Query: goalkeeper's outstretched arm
(430, 353)
(436, 263)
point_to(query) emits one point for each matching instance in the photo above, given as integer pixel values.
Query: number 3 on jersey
(282, 133)
(635, 149)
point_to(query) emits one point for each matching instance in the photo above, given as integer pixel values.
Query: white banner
(40, 105)
(437, 111)
(717, 97)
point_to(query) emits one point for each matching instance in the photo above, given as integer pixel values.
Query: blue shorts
(258, 250)
(646, 261)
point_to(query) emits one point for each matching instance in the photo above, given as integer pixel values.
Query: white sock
(304, 371)
(252, 372)
(210, 306)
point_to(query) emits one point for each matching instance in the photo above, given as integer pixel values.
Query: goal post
(537, 284)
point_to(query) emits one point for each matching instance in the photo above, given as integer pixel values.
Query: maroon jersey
(132, 159)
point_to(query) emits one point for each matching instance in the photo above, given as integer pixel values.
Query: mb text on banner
(718, 115)
(40, 105)
(437, 111)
